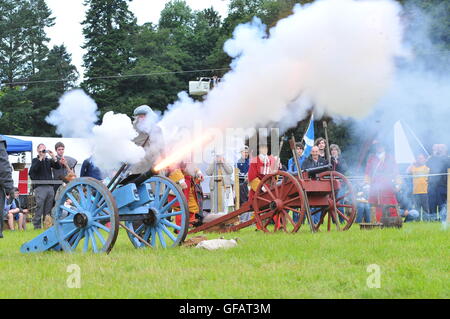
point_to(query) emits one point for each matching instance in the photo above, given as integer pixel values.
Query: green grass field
(414, 263)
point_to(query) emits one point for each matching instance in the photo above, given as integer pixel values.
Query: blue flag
(309, 137)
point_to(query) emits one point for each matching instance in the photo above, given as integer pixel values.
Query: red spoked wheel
(276, 196)
(344, 205)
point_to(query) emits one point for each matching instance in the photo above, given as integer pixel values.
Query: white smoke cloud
(419, 95)
(112, 142)
(75, 116)
(338, 54)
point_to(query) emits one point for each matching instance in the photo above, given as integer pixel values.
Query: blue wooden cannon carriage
(88, 214)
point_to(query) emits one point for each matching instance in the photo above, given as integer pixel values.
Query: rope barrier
(114, 76)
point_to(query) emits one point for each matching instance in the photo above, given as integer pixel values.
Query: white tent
(403, 146)
(403, 152)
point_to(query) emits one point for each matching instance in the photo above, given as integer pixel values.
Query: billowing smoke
(75, 116)
(337, 54)
(419, 95)
(110, 143)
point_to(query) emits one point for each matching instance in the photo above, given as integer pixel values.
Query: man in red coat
(382, 174)
(259, 167)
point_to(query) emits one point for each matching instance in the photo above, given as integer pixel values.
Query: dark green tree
(13, 64)
(56, 76)
(109, 30)
(25, 107)
(181, 42)
(38, 17)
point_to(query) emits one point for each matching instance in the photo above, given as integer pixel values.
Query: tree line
(118, 51)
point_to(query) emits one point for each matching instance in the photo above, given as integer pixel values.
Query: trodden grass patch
(413, 262)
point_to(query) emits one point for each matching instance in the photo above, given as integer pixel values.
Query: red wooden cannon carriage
(280, 194)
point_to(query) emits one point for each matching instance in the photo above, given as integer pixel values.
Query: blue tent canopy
(14, 145)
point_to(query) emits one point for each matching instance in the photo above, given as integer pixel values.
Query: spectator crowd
(418, 193)
(49, 171)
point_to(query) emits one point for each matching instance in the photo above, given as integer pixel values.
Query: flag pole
(417, 139)
(311, 122)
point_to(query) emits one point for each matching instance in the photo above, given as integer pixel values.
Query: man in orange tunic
(187, 182)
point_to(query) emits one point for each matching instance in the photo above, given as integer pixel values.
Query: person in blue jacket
(292, 167)
(88, 169)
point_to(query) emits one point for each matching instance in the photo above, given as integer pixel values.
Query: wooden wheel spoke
(343, 215)
(274, 185)
(292, 199)
(264, 199)
(277, 224)
(287, 190)
(262, 211)
(281, 221)
(294, 209)
(289, 218)
(266, 220)
(270, 192)
(317, 211)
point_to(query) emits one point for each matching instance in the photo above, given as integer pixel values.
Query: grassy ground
(414, 263)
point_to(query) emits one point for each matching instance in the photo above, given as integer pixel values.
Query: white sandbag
(214, 244)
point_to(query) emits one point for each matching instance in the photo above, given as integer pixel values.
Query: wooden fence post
(448, 195)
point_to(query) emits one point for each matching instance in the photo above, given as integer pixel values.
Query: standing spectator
(437, 185)
(12, 212)
(419, 171)
(42, 181)
(314, 160)
(292, 166)
(339, 164)
(260, 166)
(243, 165)
(22, 207)
(381, 174)
(88, 169)
(363, 207)
(67, 165)
(321, 143)
(221, 173)
(6, 181)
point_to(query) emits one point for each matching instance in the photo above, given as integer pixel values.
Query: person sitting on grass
(404, 205)
(22, 207)
(12, 212)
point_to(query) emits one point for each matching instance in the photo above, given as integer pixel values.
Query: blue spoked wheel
(86, 217)
(159, 228)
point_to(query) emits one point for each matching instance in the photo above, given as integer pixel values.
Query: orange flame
(178, 154)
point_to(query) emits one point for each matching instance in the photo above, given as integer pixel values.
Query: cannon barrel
(316, 170)
(144, 176)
